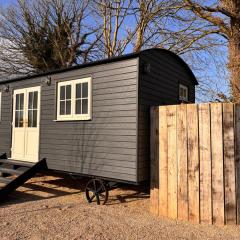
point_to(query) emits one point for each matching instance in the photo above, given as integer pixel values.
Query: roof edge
(103, 61)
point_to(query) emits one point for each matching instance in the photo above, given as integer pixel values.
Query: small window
(74, 100)
(183, 93)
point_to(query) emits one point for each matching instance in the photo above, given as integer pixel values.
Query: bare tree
(44, 35)
(111, 15)
(166, 24)
(151, 17)
(51, 34)
(125, 24)
(224, 17)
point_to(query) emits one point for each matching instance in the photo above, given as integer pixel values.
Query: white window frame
(73, 116)
(183, 98)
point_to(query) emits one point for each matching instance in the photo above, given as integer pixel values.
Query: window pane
(62, 107)
(16, 118)
(21, 119)
(68, 107)
(21, 101)
(30, 118)
(85, 90)
(35, 100)
(17, 102)
(68, 92)
(30, 100)
(34, 123)
(84, 106)
(62, 93)
(78, 90)
(181, 92)
(78, 106)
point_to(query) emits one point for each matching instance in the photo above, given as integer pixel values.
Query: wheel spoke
(91, 198)
(98, 199)
(94, 185)
(99, 189)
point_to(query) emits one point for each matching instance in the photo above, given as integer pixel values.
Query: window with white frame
(74, 99)
(183, 93)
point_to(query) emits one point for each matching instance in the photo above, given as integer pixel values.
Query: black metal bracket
(3, 156)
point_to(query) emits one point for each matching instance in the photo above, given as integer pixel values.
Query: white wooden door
(26, 119)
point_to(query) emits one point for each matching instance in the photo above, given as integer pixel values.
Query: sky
(213, 75)
(6, 2)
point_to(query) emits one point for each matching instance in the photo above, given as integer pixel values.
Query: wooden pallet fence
(195, 162)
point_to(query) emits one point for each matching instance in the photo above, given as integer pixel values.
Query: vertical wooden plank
(182, 162)
(237, 158)
(205, 164)
(193, 162)
(154, 143)
(217, 164)
(172, 161)
(229, 164)
(163, 162)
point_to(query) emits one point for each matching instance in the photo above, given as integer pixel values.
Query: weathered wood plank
(172, 161)
(163, 163)
(154, 192)
(205, 164)
(229, 164)
(182, 162)
(237, 158)
(193, 162)
(217, 164)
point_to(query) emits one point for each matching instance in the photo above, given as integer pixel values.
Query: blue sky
(6, 2)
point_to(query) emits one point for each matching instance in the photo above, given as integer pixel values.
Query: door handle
(25, 123)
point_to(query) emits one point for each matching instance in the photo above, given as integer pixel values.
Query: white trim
(73, 116)
(25, 129)
(184, 87)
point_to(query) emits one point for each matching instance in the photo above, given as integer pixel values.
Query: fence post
(182, 162)
(217, 164)
(237, 158)
(229, 164)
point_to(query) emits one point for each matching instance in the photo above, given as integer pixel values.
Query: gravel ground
(54, 207)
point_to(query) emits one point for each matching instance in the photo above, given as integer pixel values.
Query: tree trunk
(139, 41)
(234, 54)
(141, 27)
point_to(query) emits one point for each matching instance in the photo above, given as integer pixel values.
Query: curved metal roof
(104, 61)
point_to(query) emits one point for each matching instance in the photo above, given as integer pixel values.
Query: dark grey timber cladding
(105, 146)
(6, 123)
(159, 87)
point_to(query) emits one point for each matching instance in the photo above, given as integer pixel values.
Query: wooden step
(5, 180)
(16, 163)
(11, 171)
(12, 184)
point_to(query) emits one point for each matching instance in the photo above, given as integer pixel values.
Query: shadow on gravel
(40, 187)
(51, 184)
(128, 194)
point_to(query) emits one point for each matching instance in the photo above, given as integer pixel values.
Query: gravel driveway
(54, 207)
